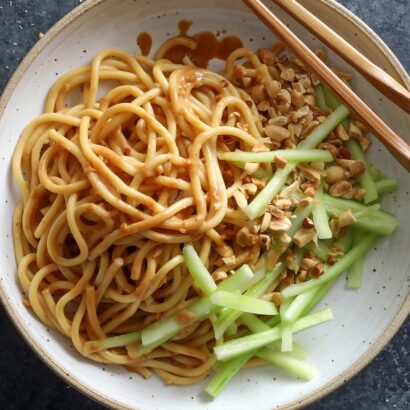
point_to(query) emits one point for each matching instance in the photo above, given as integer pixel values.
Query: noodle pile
(113, 187)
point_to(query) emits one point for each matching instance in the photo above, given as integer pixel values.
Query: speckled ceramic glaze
(364, 320)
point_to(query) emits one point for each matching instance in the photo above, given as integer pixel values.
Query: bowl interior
(361, 317)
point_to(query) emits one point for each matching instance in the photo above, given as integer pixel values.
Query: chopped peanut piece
(346, 218)
(357, 167)
(308, 223)
(249, 189)
(309, 128)
(265, 241)
(355, 131)
(288, 75)
(359, 194)
(250, 167)
(364, 143)
(275, 211)
(285, 238)
(279, 120)
(263, 105)
(310, 191)
(297, 98)
(317, 270)
(219, 275)
(283, 203)
(360, 125)
(329, 147)
(309, 100)
(308, 263)
(341, 133)
(280, 162)
(337, 230)
(336, 249)
(309, 172)
(258, 93)
(266, 220)
(245, 238)
(258, 182)
(276, 133)
(343, 153)
(340, 188)
(303, 236)
(304, 202)
(283, 97)
(266, 56)
(280, 225)
(272, 87)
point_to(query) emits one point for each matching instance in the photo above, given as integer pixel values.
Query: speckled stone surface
(26, 383)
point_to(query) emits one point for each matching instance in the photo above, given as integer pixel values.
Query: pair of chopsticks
(380, 79)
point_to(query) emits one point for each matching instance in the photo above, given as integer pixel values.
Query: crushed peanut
(249, 189)
(341, 133)
(219, 275)
(265, 241)
(335, 173)
(240, 199)
(340, 188)
(245, 237)
(303, 236)
(280, 162)
(285, 238)
(308, 223)
(272, 87)
(288, 75)
(276, 133)
(316, 270)
(306, 201)
(309, 172)
(275, 211)
(250, 167)
(355, 131)
(266, 220)
(346, 218)
(310, 191)
(283, 203)
(280, 225)
(337, 230)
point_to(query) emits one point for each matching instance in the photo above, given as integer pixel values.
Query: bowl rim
(41, 352)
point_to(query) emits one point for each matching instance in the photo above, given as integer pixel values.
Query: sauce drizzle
(144, 41)
(209, 46)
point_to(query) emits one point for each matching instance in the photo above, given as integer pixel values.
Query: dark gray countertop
(26, 383)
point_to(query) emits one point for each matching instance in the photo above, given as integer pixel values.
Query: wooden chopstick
(386, 84)
(399, 148)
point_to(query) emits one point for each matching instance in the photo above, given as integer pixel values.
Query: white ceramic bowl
(364, 320)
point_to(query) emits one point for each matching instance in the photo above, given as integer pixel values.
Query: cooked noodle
(113, 187)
